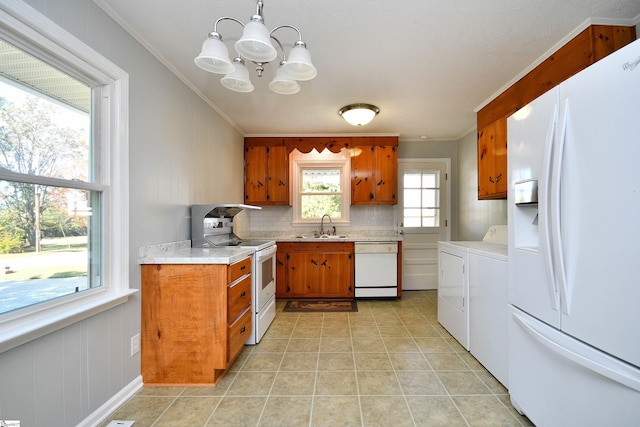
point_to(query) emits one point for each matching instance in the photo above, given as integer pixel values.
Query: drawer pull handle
(244, 328)
(243, 294)
(244, 267)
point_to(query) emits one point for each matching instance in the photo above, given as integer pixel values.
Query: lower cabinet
(314, 270)
(195, 321)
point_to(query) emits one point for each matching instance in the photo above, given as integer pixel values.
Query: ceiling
(427, 64)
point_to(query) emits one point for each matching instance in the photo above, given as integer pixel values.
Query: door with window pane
(424, 218)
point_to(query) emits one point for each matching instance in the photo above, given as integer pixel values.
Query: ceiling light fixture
(358, 114)
(256, 45)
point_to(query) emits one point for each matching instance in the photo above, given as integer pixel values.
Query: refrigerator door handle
(543, 212)
(554, 209)
(603, 367)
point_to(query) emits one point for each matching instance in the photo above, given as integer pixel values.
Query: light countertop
(183, 253)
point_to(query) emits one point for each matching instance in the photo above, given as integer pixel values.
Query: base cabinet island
(195, 320)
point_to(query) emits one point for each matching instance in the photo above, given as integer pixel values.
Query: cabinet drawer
(239, 332)
(239, 298)
(239, 269)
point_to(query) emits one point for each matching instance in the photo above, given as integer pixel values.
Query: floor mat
(320, 306)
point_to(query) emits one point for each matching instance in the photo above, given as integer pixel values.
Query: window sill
(15, 331)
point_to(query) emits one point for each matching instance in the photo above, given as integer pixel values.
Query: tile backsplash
(273, 221)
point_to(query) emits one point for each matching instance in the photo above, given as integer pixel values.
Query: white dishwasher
(376, 269)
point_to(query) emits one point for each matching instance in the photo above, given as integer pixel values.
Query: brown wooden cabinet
(195, 321)
(591, 45)
(315, 270)
(266, 175)
(492, 160)
(374, 175)
(374, 164)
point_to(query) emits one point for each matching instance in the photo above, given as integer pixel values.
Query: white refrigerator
(574, 249)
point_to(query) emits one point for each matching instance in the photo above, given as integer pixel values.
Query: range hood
(209, 221)
(199, 212)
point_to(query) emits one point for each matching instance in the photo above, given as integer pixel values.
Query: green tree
(32, 143)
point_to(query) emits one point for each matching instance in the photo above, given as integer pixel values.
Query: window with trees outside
(321, 186)
(63, 179)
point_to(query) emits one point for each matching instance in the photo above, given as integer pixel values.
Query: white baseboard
(101, 414)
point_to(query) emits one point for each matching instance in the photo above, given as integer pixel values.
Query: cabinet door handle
(314, 262)
(243, 294)
(260, 184)
(281, 183)
(244, 328)
(324, 264)
(380, 182)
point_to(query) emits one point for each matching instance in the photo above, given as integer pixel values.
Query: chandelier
(256, 46)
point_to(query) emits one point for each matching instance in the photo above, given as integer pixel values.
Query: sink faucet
(322, 224)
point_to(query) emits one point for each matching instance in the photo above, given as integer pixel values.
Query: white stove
(212, 226)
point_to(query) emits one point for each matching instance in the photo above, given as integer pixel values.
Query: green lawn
(60, 257)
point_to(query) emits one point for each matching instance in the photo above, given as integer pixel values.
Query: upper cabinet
(266, 174)
(591, 45)
(374, 167)
(374, 175)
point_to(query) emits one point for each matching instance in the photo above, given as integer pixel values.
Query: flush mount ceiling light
(256, 45)
(358, 114)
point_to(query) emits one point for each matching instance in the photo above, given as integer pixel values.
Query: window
(321, 186)
(63, 179)
(421, 195)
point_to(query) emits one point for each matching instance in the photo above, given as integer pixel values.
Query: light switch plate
(119, 423)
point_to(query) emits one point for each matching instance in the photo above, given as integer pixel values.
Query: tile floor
(389, 364)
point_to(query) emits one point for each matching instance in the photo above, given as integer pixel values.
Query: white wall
(474, 216)
(64, 377)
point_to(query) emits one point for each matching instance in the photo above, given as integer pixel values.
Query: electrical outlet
(135, 344)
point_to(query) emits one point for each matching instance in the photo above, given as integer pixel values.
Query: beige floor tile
(389, 364)
(368, 345)
(336, 345)
(446, 362)
(485, 411)
(462, 382)
(237, 412)
(277, 331)
(435, 411)
(373, 361)
(335, 383)
(368, 331)
(304, 345)
(293, 384)
(400, 345)
(490, 381)
(293, 361)
(420, 383)
(433, 345)
(252, 384)
(271, 346)
(160, 391)
(409, 362)
(336, 411)
(422, 330)
(286, 411)
(307, 331)
(393, 331)
(219, 389)
(342, 331)
(188, 411)
(335, 362)
(379, 383)
(385, 411)
(262, 362)
(144, 410)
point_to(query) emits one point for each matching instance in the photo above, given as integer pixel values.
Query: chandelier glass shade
(358, 114)
(257, 45)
